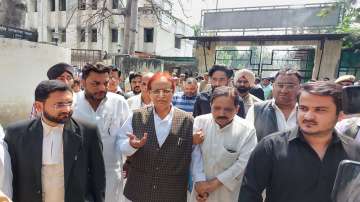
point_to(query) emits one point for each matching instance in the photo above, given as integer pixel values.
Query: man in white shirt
(5, 167)
(158, 139)
(108, 111)
(143, 99)
(278, 114)
(53, 157)
(226, 148)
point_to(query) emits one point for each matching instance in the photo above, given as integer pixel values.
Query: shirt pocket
(228, 157)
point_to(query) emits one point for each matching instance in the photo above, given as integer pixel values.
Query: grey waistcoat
(265, 119)
(160, 174)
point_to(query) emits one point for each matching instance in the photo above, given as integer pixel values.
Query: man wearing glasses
(55, 158)
(158, 139)
(278, 114)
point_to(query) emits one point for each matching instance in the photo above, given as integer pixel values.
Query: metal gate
(349, 63)
(266, 63)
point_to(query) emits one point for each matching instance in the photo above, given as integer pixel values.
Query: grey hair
(226, 91)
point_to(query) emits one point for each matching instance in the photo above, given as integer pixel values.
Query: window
(94, 4)
(52, 5)
(114, 35)
(94, 35)
(35, 5)
(63, 35)
(62, 5)
(148, 35)
(52, 35)
(81, 4)
(177, 42)
(115, 4)
(82, 35)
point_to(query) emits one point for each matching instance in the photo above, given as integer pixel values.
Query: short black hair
(98, 68)
(324, 88)
(134, 75)
(226, 91)
(229, 73)
(115, 69)
(45, 88)
(289, 71)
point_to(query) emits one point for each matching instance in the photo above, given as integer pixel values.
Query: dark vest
(265, 119)
(160, 174)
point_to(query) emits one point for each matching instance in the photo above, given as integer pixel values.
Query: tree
(350, 22)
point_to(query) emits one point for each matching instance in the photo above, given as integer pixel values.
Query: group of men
(227, 142)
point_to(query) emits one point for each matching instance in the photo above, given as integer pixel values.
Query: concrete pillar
(327, 59)
(43, 20)
(209, 56)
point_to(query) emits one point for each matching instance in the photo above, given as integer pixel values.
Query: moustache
(310, 122)
(242, 89)
(66, 114)
(221, 117)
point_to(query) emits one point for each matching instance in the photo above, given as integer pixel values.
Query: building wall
(23, 65)
(75, 20)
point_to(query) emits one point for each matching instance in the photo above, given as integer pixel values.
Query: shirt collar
(47, 129)
(273, 104)
(297, 134)
(168, 117)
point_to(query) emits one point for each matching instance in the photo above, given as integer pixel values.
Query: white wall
(23, 65)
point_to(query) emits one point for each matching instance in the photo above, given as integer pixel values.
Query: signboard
(270, 17)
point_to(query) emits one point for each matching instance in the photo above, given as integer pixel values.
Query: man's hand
(213, 185)
(198, 137)
(136, 142)
(207, 186)
(201, 188)
(203, 197)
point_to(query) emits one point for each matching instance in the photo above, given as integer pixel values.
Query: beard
(60, 118)
(243, 89)
(137, 90)
(98, 96)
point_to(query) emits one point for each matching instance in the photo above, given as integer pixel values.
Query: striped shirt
(183, 102)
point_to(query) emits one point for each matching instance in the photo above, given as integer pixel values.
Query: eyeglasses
(163, 91)
(62, 105)
(286, 86)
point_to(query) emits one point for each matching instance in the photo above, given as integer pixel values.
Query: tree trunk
(133, 25)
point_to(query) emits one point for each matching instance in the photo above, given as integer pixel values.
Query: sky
(193, 8)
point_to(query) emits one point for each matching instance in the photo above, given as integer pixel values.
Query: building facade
(93, 25)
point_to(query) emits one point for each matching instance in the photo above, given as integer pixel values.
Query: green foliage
(350, 22)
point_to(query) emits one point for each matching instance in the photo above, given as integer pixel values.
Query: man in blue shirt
(186, 100)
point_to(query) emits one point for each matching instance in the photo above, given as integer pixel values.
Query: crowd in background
(220, 136)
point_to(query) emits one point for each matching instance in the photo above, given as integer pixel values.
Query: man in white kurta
(226, 147)
(5, 167)
(109, 115)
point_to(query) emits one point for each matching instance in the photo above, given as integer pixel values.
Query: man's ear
(39, 106)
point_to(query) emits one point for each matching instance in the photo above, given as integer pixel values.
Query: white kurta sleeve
(197, 165)
(250, 116)
(5, 167)
(122, 140)
(232, 176)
